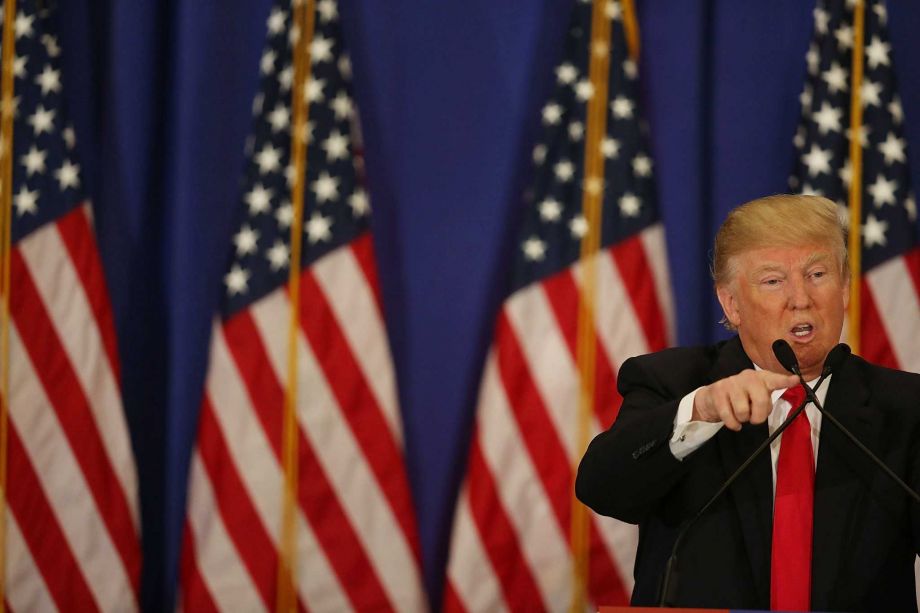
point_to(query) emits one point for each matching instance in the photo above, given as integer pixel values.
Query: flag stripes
(72, 485)
(517, 526)
(898, 282)
(356, 530)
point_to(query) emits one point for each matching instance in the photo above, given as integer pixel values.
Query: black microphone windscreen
(835, 357)
(785, 355)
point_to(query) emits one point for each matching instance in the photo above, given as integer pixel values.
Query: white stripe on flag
(343, 461)
(653, 240)
(899, 309)
(64, 484)
(351, 298)
(27, 590)
(65, 298)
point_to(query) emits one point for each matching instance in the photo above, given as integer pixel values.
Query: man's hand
(739, 399)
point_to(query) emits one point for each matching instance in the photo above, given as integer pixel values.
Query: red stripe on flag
(605, 584)
(195, 593)
(41, 531)
(243, 524)
(72, 409)
(357, 402)
(563, 295)
(912, 261)
(639, 280)
(874, 344)
(452, 601)
(78, 238)
(499, 537)
(363, 249)
(317, 498)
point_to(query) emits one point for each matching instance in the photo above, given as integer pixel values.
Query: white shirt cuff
(690, 435)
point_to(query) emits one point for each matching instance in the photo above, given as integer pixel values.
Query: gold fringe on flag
(303, 20)
(854, 314)
(6, 221)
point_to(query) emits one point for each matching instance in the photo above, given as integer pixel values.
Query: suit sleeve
(629, 468)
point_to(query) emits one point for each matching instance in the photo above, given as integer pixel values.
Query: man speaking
(812, 522)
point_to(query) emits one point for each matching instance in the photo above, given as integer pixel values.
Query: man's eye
(818, 274)
(771, 282)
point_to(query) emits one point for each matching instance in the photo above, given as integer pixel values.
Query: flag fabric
(890, 284)
(510, 547)
(72, 513)
(356, 539)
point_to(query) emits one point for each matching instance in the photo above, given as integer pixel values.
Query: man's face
(794, 293)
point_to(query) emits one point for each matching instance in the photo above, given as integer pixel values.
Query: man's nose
(799, 298)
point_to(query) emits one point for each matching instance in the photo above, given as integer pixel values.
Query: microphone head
(785, 355)
(835, 357)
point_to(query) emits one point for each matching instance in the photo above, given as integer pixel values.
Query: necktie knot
(794, 396)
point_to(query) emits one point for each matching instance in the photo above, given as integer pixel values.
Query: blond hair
(783, 220)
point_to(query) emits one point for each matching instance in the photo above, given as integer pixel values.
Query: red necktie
(793, 511)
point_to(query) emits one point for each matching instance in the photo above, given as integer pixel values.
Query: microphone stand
(670, 572)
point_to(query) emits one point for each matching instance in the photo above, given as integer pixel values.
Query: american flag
(890, 284)
(71, 515)
(511, 543)
(357, 546)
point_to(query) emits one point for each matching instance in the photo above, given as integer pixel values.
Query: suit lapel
(752, 492)
(840, 481)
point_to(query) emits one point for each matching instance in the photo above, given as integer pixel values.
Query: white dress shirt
(690, 435)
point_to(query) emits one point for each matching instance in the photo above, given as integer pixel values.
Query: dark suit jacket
(866, 533)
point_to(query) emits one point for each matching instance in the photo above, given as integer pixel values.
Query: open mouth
(802, 330)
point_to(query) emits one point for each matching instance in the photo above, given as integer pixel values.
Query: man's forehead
(781, 258)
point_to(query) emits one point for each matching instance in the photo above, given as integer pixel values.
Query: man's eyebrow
(817, 257)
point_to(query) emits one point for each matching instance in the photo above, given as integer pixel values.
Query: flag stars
(882, 191)
(42, 121)
(877, 53)
(34, 161)
(584, 89)
(610, 148)
(344, 65)
(336, 146)
(246, 241)
(26, 201)
(267, 63)
(622, 107)
(51, 45)
(70, 137)
(910, 204)
(68, 175)
(328, 11)
(893, 149)
(873, 231)
(630, 205)
(49, 80)
(642, 165)
(276, 21)
(341, 106)
(326, 188)
(359, 203)
(566, 74)
(237, 280)
(258, 199)
(630, 69)
(882, 13)
(821, 19)
(564, 170)
(284, 215)
(268, 159)
(552, 113)
(534, 249)
(828, 118)
(19, 66)
(845, 173)
(805, 98)
(813, 59)
(23, 25)
(844, 36)
(278, 255)
(576, 130)
(817, 160)
(319, 228)
(320, 49)
(279, 118)
(285, 78)
(863, 135)
(894, 107)
(550, 210)
(539, 154)
(612, 10)
(835, 77)
(313, 89)
(578, 226)
(871, 93)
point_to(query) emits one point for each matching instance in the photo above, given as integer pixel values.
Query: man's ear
(729, 305)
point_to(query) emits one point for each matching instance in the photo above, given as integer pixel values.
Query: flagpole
(854, 245)
(586, 348)
(303, 20)
(6, 219)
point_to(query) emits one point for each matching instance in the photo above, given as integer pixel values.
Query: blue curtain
(449, 94)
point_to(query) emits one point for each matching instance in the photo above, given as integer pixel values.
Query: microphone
(670, 579)
(786, 357)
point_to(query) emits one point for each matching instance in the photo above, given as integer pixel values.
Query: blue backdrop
(449, 94)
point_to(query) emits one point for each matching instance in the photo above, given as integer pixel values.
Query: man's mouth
(802, 331)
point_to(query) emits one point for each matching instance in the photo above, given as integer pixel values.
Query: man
(841, 535)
